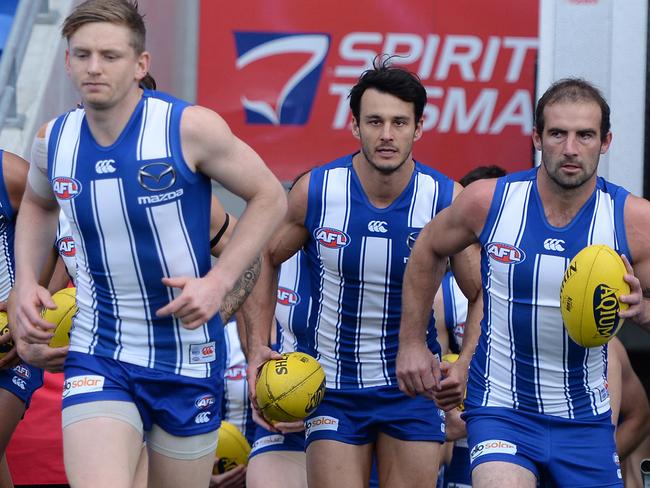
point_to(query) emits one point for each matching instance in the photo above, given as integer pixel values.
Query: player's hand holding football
(198, 301)
(289, 427)
(452, 385)
(257, 356)
(24, 310)
(418, 369)
(638, 309)
(30, 332)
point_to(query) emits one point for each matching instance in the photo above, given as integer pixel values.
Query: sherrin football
(290, 388)
(590, 295)
(232, 448)
(62, 316)
(4, 329)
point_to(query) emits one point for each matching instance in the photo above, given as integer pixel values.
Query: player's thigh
(277, 469)
(185, 461)
(5, 475)
(17, 385)
(101, 452)
(12, 409)
(142, 470)
(500, 474)
(166, 472)
(333, 464)
(407, 463)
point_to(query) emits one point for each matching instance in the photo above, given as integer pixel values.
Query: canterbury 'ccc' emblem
(156, 176)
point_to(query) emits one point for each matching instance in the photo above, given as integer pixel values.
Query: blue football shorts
(180, 405)
(22, 380)
(268, 441)
(357, 416)
(563, 452)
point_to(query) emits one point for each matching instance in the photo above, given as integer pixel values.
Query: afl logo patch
(287, 297)
(66, 188)
(22, 371)
(204, 402)
(236, 373)
(505, 253)
(156, 176)
(331, 238)
(65, 245)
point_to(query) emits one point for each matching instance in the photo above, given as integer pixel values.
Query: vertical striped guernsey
(137, 213)
(293, 303)
(525, 359)
(455, 306)
(357, 255)
(7, 231)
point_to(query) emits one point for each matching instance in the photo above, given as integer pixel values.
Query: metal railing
(28, 13)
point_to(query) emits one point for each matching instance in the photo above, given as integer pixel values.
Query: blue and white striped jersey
(525, 360)
(455, 305)
(293, 303)
(357, 255)
(137, 213)
(65, 246)
(7, 231)
(236, 407)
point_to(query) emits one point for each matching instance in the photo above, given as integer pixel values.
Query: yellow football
(61, 316)
(452, 358)
(290, 388)
(4, 329)
(590, 295)
(232, 448)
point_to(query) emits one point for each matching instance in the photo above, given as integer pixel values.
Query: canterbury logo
(377, 226)
(202, 418)
(554, 244)
(105, 166)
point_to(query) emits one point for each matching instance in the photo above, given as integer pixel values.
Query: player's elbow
(281, 199)
(273, 199)
(645, 422)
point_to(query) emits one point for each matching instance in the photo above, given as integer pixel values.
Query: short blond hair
(120, 12)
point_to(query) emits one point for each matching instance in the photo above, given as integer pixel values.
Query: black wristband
(215, 240)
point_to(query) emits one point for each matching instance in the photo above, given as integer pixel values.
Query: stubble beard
(572, 182)
(386, 171)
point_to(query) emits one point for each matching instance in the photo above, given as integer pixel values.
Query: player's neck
(382, 188)
(106, 124)
(560, 204)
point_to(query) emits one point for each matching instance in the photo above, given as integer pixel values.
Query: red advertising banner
(279, 72)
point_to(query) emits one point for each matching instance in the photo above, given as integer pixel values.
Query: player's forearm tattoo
(241, 290)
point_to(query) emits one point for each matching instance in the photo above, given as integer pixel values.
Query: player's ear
(537, 139)
(604, 144)
(67, 61)
(418, 129)
(355, 128)
(144, 62)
